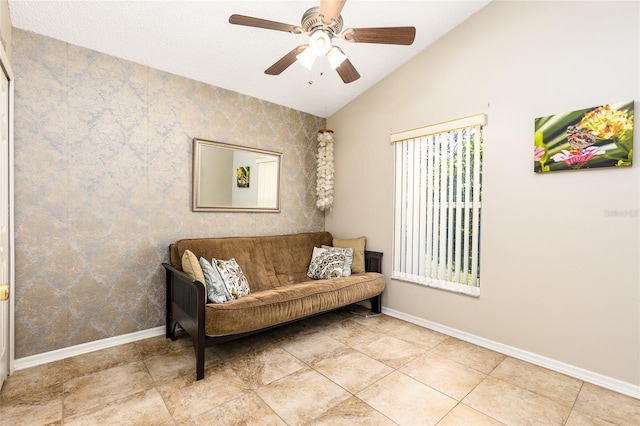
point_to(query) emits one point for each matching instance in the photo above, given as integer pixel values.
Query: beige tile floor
(334, 369)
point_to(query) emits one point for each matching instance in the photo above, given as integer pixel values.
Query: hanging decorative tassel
(325, 171)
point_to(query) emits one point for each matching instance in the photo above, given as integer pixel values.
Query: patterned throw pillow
(216, 290)
(348, 258)
(234, 279)
(325, 264)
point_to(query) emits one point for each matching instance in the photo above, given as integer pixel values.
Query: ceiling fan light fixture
(306, 58)
(320, 43)
(336, 57)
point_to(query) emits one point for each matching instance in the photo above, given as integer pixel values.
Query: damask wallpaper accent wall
(103, 185)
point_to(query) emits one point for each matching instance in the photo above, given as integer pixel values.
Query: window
(438, 196)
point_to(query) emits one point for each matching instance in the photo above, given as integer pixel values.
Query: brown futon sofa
(280, 290)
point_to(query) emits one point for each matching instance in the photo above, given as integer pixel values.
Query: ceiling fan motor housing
(311, 21)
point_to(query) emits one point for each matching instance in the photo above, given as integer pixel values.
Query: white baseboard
(570, 370)
(60, 354)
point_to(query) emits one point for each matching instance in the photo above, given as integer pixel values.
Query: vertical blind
(438, 196)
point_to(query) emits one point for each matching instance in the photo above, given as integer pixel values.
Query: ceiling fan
(322, 24)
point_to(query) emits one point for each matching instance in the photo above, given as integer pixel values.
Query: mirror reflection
(234, 178)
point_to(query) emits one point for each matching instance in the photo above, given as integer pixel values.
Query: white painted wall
(5, 27)
(560, 278)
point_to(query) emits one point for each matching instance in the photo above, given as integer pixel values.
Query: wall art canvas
(600, 136)
(242, 176)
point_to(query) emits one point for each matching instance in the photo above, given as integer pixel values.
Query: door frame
(5, 66)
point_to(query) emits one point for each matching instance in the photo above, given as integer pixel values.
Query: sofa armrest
(184, 295)
(373, 261)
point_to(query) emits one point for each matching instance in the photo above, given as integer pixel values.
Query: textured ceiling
(194, 39)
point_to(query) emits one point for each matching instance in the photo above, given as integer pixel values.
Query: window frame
(404, 250)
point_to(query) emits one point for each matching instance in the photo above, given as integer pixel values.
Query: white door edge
(5, 67)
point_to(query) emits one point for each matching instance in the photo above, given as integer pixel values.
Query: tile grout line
(575, 401)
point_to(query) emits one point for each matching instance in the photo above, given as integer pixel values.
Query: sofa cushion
(288, 303)
(267, 262)
(233, 277)
(216, 288)
(358, 245)
(326, 264)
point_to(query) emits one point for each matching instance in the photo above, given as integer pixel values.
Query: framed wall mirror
(235, 178)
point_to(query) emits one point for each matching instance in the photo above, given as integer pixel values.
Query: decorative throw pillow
(348, 258)
(234, 279)
(325, 264)
(191, 266)
(216, 290)
(358, 252)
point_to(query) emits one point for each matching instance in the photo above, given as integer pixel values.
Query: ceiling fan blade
(250, 21)
(347, 72)
(330, 9)
(383, 35)
(286, 61)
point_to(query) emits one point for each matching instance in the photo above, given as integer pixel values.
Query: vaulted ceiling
(194, 39)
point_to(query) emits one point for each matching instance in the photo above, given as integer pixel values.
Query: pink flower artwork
(588, 138)
(575, 158)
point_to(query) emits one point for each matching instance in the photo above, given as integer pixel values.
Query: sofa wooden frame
(186, 308)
